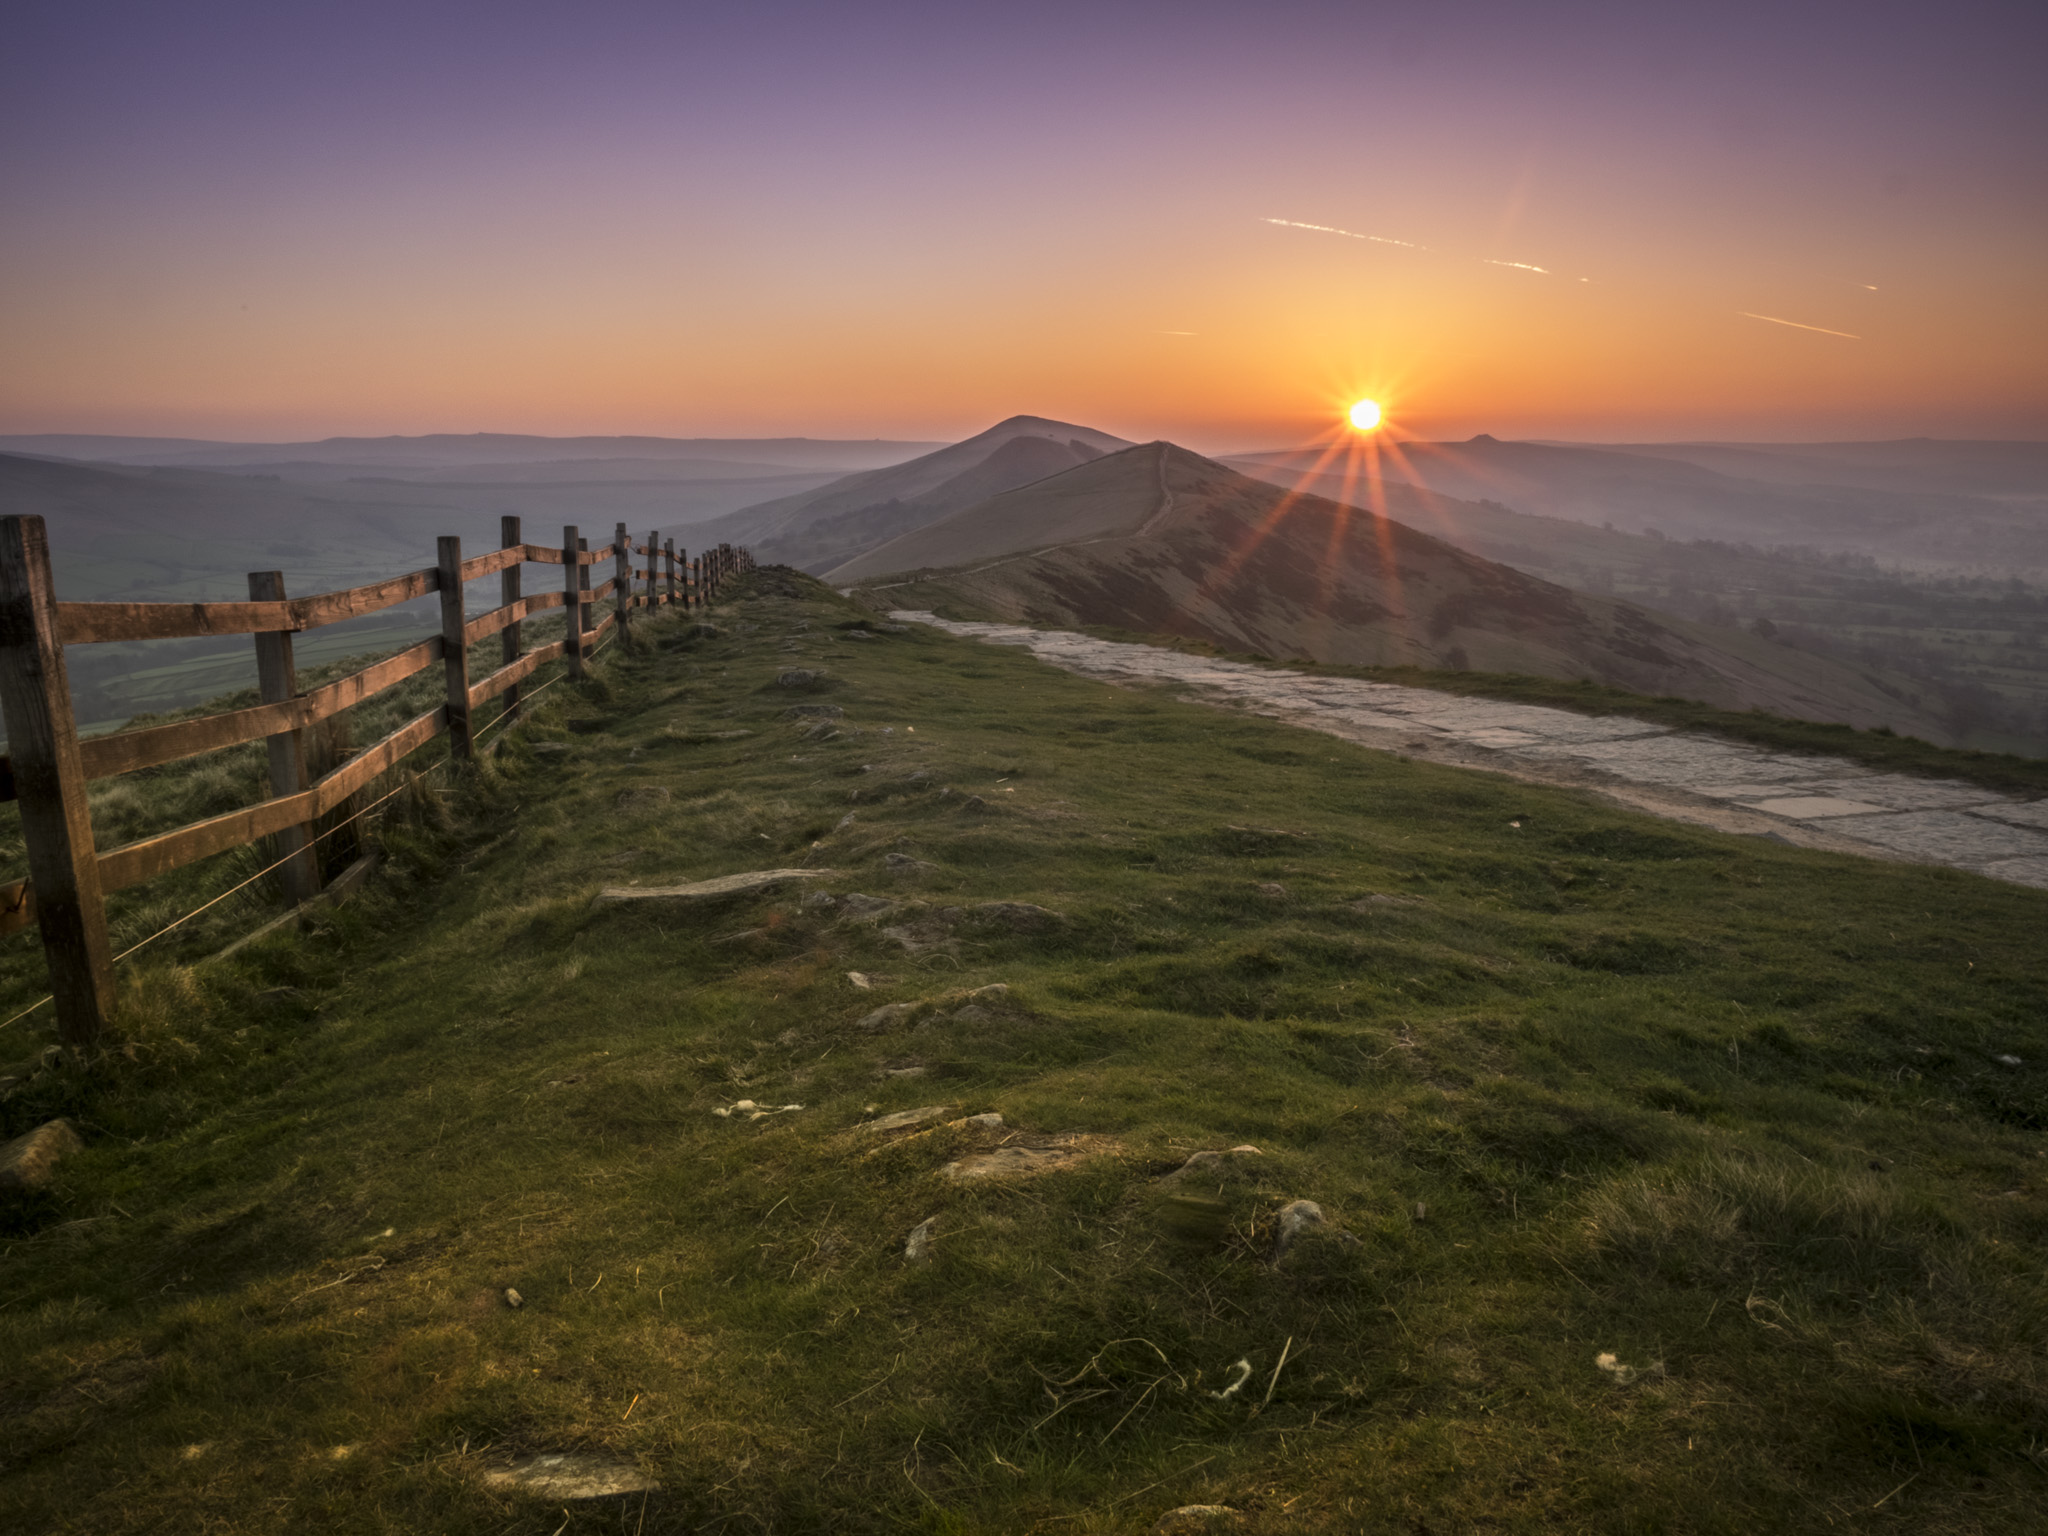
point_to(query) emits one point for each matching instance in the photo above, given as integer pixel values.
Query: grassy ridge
(1588, 1085)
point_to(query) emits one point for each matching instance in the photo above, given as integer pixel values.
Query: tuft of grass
(1728, 1116)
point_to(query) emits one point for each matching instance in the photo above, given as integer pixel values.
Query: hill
(821, 528)
(1160, 540)
(1667, 1180)
(1899, 507)
(462, 450)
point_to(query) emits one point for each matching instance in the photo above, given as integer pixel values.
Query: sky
(1214, 223)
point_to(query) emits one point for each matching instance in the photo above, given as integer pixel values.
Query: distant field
(1671, 1181)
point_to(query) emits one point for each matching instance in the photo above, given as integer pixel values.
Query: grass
(1724, 1114)
(1881, 749)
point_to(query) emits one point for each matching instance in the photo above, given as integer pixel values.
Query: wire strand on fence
(504, 717)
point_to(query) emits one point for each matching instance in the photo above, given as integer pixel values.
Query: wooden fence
(47, 768)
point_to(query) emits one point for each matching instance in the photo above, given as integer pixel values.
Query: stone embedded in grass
(1271, 888)
(866, 908)
(711, 890)
(885, 1017)
(747, 1109)
(1296, 1217)
(2009, 1061)
(513, 1299)
(903, 863)
(568, 1475)
(27, 1162)
(918, 1246)
(1625, 1374)
(814, 711)
(1023, 1162)
(903, 1119)
(1204, 1162)
(798, 677)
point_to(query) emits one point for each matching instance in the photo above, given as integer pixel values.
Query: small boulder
(798, 677)
(513, 1299)
(28, 1162)
(903, 863)
(1273, 890)
(1203, 1162)
(918, 1246)
(866, 908)
(886, 1016)
(567, 1475)
(903, 1119)
(812, 711)
(1296, 1217)
(710, 890)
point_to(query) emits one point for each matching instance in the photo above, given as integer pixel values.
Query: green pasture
(1672, 1181)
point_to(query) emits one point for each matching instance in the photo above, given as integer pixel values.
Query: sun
(1365, 415)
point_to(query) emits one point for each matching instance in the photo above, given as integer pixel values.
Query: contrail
(1522, 266)
(1349, 234)
(1774, 320)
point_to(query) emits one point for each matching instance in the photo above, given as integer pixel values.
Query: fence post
(508, 592)
(277, 680)
(653, 568)
(696, 581)
(572, 610)
(454, 651)
(584, 619)
(622, 583)
(668, 564)
(49, 782)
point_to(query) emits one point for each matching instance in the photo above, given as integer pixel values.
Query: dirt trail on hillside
(1809, 800)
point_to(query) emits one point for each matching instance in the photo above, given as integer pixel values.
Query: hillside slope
(1918, 519)
(1668, 1181)
(817, 529)
(1160, 540)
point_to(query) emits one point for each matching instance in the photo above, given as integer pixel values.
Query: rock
(1199, 1162)
(819, 901)
(926, 933)
(1018, 916)
(1271, 888)
(798, 677)
(894, 629)
(2008, 1061)
(903, 1119)
(1296, 1217)
(856, 634)
(904, 863)
(27, 1162)
(568, 1475)
(988, 1122)
(1191, 1519)
(747, 1109)
(885, 1016)
(845, 821)
(917, 1247)
(814, 711)
(644, 797)
(513, 1299)
(973, 1013)
(1015, 1162)
(905, 1070)
(711, 890)
(1421, 1211)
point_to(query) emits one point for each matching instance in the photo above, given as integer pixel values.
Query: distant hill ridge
(1162, 540)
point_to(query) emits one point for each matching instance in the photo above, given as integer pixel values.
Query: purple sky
(280, 221)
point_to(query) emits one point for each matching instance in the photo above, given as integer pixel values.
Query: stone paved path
(1818, 802)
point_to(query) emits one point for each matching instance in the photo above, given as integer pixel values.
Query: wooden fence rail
(47, 768)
